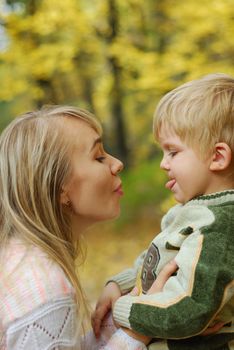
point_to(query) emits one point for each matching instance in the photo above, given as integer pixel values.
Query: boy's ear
(221, 157)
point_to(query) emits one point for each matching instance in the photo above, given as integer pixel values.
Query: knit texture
(37, 307)
(51, 326)
(200, 236)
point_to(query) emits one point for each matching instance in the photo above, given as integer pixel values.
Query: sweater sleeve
(203, 285)
(126, 279)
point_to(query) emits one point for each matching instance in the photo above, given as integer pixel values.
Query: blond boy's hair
(200, 112)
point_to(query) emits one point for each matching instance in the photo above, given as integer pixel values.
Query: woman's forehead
(80, 133)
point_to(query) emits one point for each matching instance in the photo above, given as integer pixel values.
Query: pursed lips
(119, 189)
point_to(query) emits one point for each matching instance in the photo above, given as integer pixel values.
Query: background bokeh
(115, 58)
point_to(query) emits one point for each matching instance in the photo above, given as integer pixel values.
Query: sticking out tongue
(170, 184)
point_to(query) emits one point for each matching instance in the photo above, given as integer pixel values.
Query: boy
(194, 125)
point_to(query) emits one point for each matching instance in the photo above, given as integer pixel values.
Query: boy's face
(189, 176)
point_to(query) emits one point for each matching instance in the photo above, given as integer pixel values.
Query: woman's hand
(110, 294)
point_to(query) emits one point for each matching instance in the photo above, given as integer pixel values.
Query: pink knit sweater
(37, 307)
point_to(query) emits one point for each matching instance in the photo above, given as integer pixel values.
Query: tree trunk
(119, 135)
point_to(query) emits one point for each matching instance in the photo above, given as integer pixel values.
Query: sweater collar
(213, 198)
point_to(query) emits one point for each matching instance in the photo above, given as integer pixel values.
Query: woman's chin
(113, 216)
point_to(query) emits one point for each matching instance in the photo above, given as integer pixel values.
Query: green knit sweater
(200, 236)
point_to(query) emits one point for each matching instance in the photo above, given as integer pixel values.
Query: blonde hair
(200, 112)
(34, 166)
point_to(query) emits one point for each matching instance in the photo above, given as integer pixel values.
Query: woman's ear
(64, 199)
(221, 157)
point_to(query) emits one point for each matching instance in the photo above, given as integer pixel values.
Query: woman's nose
(116, 166)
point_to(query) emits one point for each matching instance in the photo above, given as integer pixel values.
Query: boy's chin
(181, 199)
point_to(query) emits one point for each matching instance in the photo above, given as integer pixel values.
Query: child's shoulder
(187, 215)
(171, 214)
(29, 278)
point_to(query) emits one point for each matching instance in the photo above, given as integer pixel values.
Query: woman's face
(94, 188)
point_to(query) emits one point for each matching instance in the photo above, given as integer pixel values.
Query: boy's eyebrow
(168, 144)
(98, 140)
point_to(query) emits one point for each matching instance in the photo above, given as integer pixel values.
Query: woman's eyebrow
(98, 140)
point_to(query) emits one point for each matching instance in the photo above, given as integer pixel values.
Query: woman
(55, 181)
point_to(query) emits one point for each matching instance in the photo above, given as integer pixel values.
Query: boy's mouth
(169, 185)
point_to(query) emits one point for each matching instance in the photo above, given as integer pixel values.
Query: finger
(97, 327)
(96, 324)
(163, 276)
(213, 329)
(97, 318)
(134, 291)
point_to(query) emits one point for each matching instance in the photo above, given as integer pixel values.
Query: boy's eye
(172, 153)
(100, 159)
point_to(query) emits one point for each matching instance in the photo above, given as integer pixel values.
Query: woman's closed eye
(100, 159)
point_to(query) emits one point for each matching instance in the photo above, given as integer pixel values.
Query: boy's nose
(164, 164)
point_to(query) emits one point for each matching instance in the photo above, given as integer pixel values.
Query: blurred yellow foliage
(110, 250)
(75, 52)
